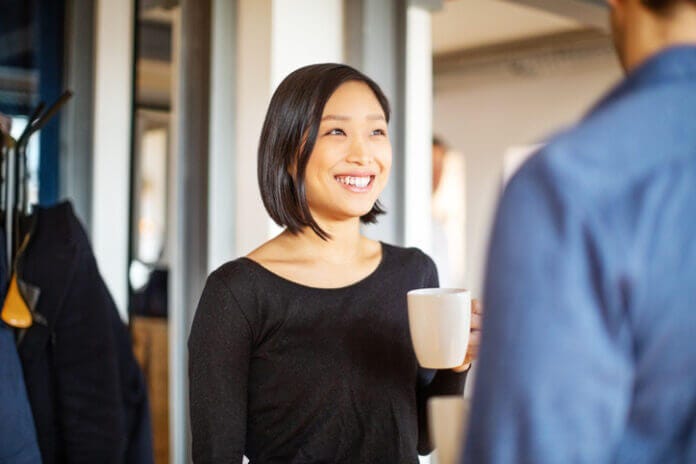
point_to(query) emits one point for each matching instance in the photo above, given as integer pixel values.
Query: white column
(221, 192)
(253, 94)
(418, 104)
(305, 32)
(418, 129)
(112, 138)
(177, 317)
(274, 38)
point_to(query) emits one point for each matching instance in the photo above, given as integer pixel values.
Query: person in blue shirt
(588, 349)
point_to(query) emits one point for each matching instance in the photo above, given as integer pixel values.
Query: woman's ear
(292, 170)
(292, 167)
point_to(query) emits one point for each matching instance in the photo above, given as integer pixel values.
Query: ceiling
(466, 24)
(459, 25)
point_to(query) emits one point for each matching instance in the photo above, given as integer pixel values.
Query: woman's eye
(336, 132)
(379, 132)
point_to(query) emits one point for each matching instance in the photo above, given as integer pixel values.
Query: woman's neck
(307, 259)
(345, 244)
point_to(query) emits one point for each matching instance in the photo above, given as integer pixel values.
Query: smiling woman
(351, 159)
(294, 123)
(300, 351)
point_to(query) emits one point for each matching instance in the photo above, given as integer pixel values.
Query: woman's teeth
(360, 182)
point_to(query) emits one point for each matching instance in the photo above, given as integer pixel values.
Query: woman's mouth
(357, 184)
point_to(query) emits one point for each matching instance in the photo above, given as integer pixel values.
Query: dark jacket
(86, 390)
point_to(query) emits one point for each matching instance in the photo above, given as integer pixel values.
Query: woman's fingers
(474, 340)
(476, 307)
(473, 348)
(476, 315)
(476, 322)
(474, 336)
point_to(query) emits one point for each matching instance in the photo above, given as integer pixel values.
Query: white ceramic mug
(439, 320)
(447, 418)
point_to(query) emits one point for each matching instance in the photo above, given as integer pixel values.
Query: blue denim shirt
(589, 337)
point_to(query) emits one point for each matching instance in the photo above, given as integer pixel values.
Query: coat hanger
(38, 120)
(8, 174)
(15, 311)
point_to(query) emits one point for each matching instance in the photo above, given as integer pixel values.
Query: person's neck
(344, 246)
(657, 33)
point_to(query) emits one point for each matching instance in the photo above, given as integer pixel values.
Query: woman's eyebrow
(376, 117)
(335, 117)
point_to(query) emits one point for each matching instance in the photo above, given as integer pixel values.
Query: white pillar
(418, 104)
(305, 32)
(418, 129)
(274, 38)
(221, 192)
(253, 94)
(112, 139)
(177, 317)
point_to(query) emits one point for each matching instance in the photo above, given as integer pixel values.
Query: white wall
(483, 112)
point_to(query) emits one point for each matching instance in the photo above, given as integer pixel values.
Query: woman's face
(350, 163)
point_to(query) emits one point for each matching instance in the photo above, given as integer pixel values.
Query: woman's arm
(219, 351)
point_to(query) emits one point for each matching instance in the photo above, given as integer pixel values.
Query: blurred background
(156, 150)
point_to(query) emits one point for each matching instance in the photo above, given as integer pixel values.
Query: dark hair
(288, 136)
(439, 142)
(662, 6)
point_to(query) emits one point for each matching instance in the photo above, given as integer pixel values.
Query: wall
(485, 107)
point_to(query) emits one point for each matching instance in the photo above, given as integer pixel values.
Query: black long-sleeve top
(285, 373)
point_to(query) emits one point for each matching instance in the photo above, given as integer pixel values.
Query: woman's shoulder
(233, 276)
(406, 256)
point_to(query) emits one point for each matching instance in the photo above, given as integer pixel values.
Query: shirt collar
(676, 63)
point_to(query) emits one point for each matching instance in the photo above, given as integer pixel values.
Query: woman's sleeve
(433, 382)
(219, 351)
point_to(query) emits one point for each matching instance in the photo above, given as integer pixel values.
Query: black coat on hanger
(86, 389)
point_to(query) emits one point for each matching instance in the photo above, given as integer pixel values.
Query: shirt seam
(239, 306)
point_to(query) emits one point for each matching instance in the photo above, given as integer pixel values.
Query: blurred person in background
(448, 205)
(588, 352)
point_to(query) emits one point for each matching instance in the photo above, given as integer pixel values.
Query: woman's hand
(474, 337)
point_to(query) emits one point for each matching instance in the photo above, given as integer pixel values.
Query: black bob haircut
(288, 137)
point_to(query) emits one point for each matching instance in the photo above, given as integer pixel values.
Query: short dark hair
(288, 136)
(662, 6)
(439, 142)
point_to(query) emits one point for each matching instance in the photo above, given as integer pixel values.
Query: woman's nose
(359, 152)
